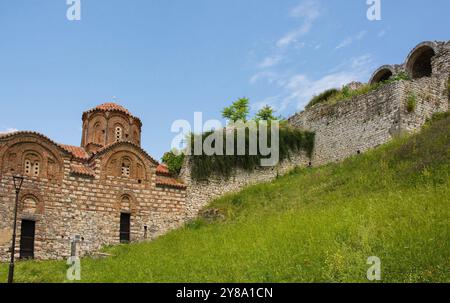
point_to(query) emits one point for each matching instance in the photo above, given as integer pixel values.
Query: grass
(333, 96)
(312, 225)
(411, 103)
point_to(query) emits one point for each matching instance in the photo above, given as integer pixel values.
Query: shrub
(332, 96)
(401, 76)
(323, 97)
(291, 141)
(173, 161)
(411, 103)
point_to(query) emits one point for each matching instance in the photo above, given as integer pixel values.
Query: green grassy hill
(312, 225)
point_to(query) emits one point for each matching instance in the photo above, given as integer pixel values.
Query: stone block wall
(364, 122)
(200, 193)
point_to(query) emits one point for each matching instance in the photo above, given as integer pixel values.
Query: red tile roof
(171, 182)
(81, 169)
(110, 106)
(162, 169)
(76, 151)
(112, 145)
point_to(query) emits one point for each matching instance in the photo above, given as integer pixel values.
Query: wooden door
(125, 224)
(27, 234)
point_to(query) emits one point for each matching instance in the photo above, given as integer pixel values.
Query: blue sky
(163, 60)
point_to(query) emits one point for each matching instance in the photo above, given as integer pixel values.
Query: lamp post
(18, 180)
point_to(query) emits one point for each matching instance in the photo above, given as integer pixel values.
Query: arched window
(126, 167)
(27, 167)
(98, 133)
(119, 133)
(32, 165)
(36, 169)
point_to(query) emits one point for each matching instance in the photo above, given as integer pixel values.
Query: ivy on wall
(291, 141)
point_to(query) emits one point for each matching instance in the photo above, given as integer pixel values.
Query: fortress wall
(199, 194)
(358, 124)
(431, 97)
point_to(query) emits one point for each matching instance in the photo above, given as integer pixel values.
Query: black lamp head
(18, 180)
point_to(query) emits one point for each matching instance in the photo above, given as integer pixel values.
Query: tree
(266, 114)
(174, 161)
(237, 111)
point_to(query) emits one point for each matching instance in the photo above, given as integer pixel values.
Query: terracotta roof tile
(81, 169)
(162, 169)
(76, 151)
(112, 145)
(110, 106)
(171, 182)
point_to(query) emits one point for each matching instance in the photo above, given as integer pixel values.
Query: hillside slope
(316, 224)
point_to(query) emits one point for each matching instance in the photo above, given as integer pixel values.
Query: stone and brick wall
(200, 193)
(358, 124)
(72, 193)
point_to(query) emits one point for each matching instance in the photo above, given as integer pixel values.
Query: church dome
(108, 123)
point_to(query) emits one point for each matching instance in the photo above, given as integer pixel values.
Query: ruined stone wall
(90, 208)
(199, 194)
(358, 124)
(431, 97)
(353, 126)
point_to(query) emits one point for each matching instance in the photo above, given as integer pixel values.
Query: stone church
(107, 191)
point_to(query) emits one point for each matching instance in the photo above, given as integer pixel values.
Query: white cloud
(300, 88)
(270, 61)
(349, 40)
(269, 76)
(309, 11)
(8, 131)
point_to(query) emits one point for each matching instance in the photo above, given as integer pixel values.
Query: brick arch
(125, 122)
(95, 131)
(419, 61)
(31, 203)
(112, 164)
(126, 202)
(14, 153)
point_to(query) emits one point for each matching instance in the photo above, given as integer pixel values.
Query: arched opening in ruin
(382, 75)
(419, 62)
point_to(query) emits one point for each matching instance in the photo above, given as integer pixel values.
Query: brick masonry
(80, 193)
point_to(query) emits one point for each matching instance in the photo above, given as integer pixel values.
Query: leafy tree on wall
(237, 111)
(174, 161)
(266, 113)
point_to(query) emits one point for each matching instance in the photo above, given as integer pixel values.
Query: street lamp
(18, 180)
